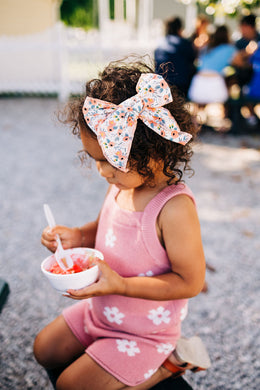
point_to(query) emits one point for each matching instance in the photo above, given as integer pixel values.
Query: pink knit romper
(130, 337)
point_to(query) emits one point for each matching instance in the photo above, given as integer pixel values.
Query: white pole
(191, 16)
(119, 10)
(103, 14)
(145, 16)
(131, 12)
(63, 63)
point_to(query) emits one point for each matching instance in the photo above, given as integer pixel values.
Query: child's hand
(109, 282)
(70, 237)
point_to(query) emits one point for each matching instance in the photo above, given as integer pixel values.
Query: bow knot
(115, 125)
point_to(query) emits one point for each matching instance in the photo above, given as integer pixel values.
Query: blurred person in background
(208, 84)
(248, 31)
(174, 56)
(251, 93)
(253, 90)
(246, 68)
(246, 46)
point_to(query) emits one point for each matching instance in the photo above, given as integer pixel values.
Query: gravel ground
(39, 165)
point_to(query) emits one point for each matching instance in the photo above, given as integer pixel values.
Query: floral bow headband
(115, 125)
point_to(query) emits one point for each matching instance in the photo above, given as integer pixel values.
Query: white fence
(60, 60)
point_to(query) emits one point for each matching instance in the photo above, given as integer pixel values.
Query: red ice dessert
(85, 270)
(56, 269)
(80, 264)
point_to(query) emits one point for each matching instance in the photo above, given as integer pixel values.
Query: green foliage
(231, 8)
(242, 3)
(112, 9)
(78, 13)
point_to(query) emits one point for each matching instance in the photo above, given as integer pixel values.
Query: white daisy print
(164, 348)
(159, 315)
(110, 238)
(126, 346)
(113, 314)
(184, 312)
(150, 372)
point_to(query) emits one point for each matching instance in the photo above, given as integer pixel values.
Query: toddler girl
(129, 321)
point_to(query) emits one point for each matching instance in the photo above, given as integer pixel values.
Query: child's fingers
(51, 245)
(59, 229)
(96, 261)
(48, 233)
(89, 291)
(48, 239)
(104, 268)
(83, 293)
(109, 282)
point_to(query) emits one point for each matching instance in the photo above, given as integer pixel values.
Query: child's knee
(42, 350)
(38, 349)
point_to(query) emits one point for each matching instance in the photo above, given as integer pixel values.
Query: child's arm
(180, 232)
(181, 237)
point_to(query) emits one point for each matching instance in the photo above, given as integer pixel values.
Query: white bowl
(73, 281)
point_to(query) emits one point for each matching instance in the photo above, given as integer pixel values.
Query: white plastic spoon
(62, 258)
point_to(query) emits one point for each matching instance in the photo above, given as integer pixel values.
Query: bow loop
(95, 111)
(115, 125)
(154, 90)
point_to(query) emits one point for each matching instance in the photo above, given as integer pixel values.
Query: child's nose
(105, 169)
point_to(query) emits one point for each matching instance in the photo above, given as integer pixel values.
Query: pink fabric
(132, 337)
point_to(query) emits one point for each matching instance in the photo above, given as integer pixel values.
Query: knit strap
(151, 213)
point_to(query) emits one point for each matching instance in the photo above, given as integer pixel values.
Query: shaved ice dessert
(83, 273)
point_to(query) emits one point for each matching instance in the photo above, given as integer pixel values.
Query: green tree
(231, 8)
(79, 13)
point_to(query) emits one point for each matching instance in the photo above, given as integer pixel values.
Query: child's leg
(56, 346)
(58, 350)
(85, 374)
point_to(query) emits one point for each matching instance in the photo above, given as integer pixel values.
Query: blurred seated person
(253, 88)
(251, 91)
(174, 57)
(245, 64)
(208, 84)
(248, 31)
(246, 46)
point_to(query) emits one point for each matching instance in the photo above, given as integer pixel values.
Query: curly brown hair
(117, 83)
